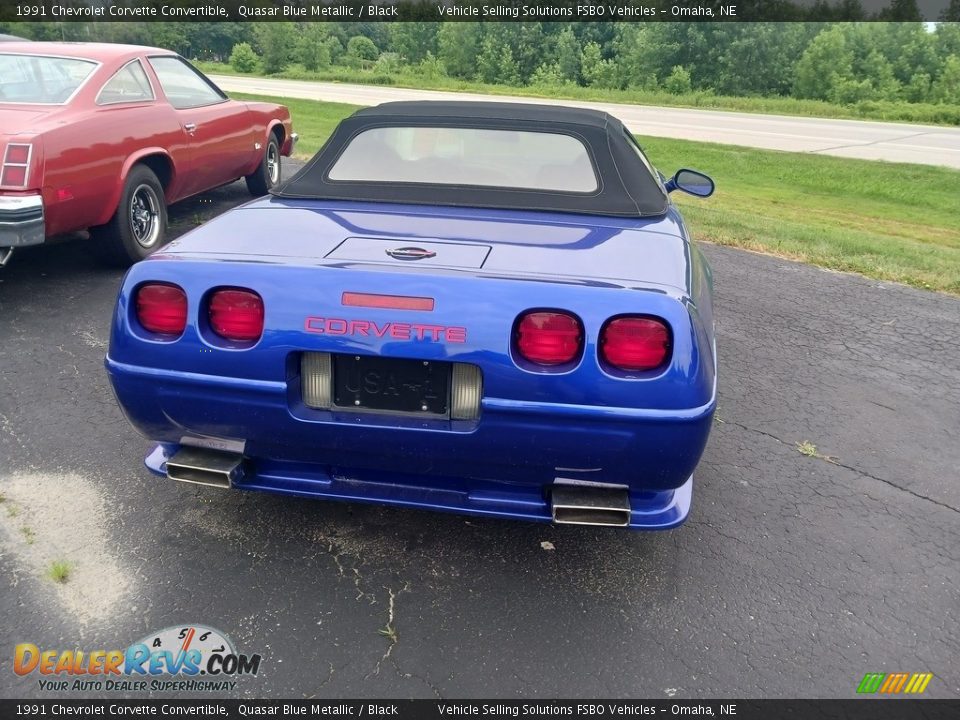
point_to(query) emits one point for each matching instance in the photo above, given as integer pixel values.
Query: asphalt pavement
(868, 140)
(795, 574)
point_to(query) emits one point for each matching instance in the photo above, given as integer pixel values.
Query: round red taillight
(236, 314)
(162, 308)
(635, 343)
(549, 337)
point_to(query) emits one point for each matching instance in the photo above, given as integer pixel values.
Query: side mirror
(692, 182)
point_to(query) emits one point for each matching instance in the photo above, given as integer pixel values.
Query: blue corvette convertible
(486, 308)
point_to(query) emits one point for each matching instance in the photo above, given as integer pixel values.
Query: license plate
(391, 384)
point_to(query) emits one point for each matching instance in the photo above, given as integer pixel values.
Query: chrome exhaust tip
(588, 505)
(205, 467)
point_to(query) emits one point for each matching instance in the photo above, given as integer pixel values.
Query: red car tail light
(162, 308)
(15, 170)
(549, 337)
(236, 314)
(17, 154)
(635, 343)
(14, 176)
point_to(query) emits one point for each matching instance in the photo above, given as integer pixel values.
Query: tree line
(845, 62)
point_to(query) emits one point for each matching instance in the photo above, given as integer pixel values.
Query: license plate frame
(369, 383)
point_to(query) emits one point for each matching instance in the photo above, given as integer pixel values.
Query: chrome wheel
(145, 216)
(273, 163)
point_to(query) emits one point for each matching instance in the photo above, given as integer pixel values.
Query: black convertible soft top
(627, 185)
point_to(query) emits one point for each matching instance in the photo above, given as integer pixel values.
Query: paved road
(793, 577)
(895, 142)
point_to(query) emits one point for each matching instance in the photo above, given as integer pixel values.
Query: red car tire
(267, 173)
(139, 226)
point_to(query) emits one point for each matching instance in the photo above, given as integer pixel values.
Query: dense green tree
(496, 63)
(388, 63)
(878, 71)
(413, 40)
(946, 88)
(678, 81)
(313, 49)
(596, 70)
(125, 32)
(215, 40)
(336, 48)
(696, 46)
(825, 65)
(243, 59)
(947, 39)
(361, 50)
(549, 75)
(527, 42)
(756, 58)
(601, 33)
(568, 55)
(275, 47)
(34, 30)
(918, 89)
(458, 45)
(431, 67)
(172, 36)
(909, 47)
(639, 53)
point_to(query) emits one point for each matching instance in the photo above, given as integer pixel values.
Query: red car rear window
(41, 79)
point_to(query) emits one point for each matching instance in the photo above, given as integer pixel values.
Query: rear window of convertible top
(542, 161)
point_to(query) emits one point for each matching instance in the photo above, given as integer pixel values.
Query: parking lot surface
(824, 540)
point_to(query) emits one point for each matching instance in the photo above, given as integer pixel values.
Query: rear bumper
(21, 221)
(648, 510)
(502, 465)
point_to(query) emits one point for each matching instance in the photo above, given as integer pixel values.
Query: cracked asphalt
(794, 576)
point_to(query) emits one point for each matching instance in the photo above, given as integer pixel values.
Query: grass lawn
(888, 221)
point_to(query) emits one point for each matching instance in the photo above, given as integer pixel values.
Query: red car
(104, 137)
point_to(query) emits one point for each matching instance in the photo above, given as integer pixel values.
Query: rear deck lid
(407, 252)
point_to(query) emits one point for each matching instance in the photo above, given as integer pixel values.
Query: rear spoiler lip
(312, 261)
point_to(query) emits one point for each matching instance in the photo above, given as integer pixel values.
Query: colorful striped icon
(894, 683)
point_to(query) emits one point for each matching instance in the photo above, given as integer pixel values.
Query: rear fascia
(582, 423)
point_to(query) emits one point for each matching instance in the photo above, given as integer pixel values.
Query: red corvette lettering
(396, 331)
(337, 327)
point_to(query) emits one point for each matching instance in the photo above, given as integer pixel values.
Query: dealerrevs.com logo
(177, 659)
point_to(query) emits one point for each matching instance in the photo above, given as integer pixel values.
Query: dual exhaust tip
(570, 504)
(201, 466)
(590, 505)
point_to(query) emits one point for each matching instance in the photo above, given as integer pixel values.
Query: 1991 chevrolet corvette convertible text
(484, 308)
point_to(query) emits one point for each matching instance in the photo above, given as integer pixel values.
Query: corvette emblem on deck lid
(410, 253)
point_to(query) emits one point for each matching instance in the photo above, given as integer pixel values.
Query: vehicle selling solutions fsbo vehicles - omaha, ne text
(484, 308)
(104, 137)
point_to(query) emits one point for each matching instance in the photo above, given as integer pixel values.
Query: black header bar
(57, 11)
(865, 709)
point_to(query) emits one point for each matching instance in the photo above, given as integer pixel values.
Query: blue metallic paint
(587, 422)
